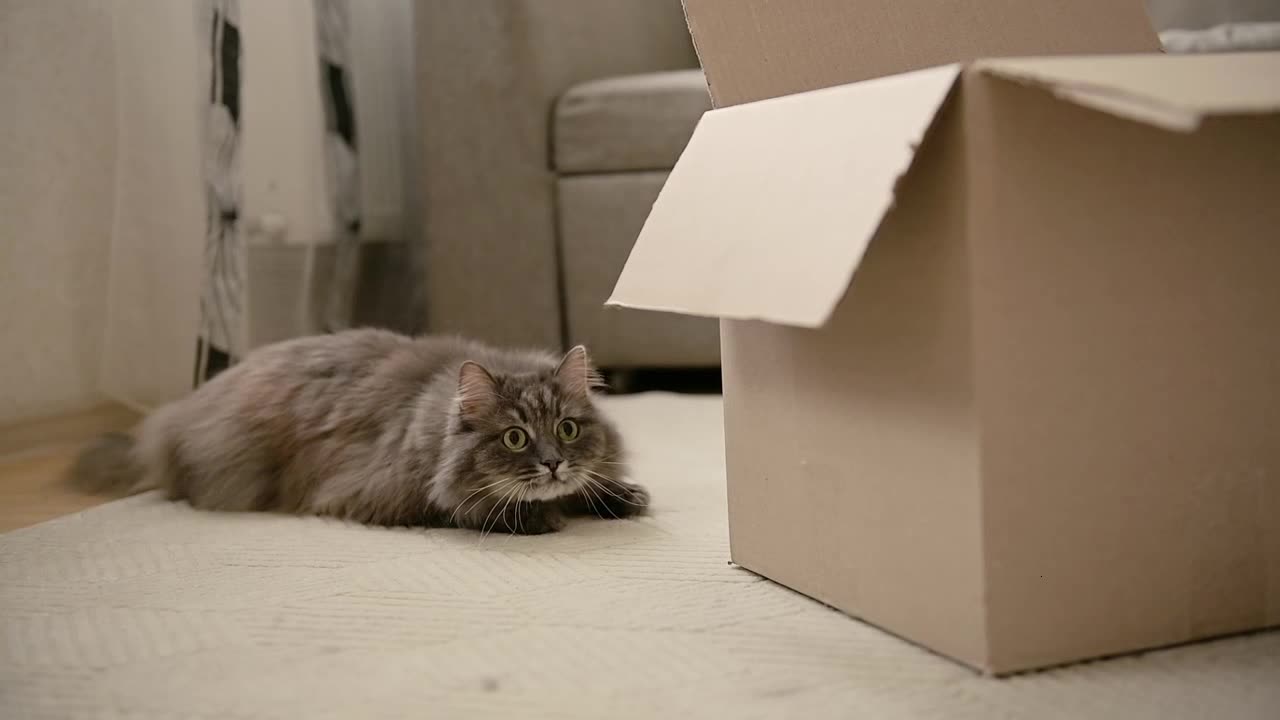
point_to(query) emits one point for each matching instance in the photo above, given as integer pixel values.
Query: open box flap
(1171, 92)
(772, 205)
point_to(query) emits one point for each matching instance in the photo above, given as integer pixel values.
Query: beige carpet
(144, 609)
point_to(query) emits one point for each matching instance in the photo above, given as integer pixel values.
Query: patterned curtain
(238, 217)
(333, 33)
(222, 299)
(230, 255)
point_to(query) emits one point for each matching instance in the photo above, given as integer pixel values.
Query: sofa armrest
(1201, 15)
(488, 74)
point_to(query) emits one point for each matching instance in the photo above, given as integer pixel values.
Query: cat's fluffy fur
(376, 427)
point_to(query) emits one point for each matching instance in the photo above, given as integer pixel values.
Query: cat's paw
(535, 518)
(620, 500)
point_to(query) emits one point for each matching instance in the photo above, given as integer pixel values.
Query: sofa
(548, 129)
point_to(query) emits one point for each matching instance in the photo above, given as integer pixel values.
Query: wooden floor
(33, 458)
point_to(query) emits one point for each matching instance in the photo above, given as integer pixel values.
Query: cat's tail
(109, 466)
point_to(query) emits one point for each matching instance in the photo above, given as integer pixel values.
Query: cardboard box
(757, 49)
(1000, 346)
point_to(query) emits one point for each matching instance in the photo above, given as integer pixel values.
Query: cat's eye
(515, 439)
(568, 430)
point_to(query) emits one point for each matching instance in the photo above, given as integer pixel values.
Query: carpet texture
(146, 609)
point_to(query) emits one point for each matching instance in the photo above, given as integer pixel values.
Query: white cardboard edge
(1119, 103)
(956, 70)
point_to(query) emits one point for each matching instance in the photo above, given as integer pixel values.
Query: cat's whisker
(589, 496)
(471, 494)
(513, 521)
(520, 516)
(609, 481)
(506, 500)
(621, 498)
(519, 522)
(603, 502)
(590, 488)
(597, 474)
(606, 489)
(586, 496)
(484, 526)
(514, 502)
(500, 481)
(479, 500)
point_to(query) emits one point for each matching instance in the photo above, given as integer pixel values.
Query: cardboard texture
(757, 49)
(999, 347)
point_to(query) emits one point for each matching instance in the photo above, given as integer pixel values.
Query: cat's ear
(576, 375)
(477, 390)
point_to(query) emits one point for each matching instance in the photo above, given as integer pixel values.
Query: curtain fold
(238, 218)
(333, 35)
(221, 334)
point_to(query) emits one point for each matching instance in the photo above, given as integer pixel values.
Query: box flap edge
(645, 283)
(1147, 88)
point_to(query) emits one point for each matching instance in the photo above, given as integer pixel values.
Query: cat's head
(536, 436)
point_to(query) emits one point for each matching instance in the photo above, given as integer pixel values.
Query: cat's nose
(551, 464)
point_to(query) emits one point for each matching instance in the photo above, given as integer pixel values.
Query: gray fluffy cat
(372, 426)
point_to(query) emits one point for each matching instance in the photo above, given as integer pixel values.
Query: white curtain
(239, 186)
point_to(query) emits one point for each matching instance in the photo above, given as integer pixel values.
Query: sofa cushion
(600, 217)
(628, 123)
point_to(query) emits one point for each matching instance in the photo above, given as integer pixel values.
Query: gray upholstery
(500, 84)
(628, 123)
(600, 217)
(488, 75)
(614, 142)
(1202, 14)
(1190, 26)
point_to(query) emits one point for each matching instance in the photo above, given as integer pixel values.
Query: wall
(157, 247)
(57, 168)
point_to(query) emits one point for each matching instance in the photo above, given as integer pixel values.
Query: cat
(379, 428)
